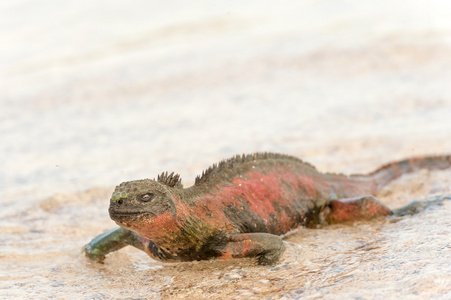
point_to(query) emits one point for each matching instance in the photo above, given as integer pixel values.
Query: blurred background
(93, 93)
(98, 92)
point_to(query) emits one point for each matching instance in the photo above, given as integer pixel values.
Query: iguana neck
(188, 195)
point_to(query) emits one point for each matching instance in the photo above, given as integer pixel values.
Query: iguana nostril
(118, 198)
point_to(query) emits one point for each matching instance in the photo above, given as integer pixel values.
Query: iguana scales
(240, 207)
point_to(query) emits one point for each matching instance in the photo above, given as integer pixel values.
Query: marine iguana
(240, 207)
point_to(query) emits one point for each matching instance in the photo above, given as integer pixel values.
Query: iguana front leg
(118, 238)
(111, 241)
(268, 248)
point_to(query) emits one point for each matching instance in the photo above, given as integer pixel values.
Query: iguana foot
(268, 248)
(420, 205)
(93, 253)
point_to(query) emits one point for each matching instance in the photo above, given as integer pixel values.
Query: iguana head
(138, 204)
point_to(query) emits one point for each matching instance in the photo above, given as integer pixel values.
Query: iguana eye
(147, 197)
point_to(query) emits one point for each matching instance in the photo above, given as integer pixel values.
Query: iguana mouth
(125, 217)
(129, 214)
(125, 213)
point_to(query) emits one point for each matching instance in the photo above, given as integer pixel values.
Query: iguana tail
(393, 170)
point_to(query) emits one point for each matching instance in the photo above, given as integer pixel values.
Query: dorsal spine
(171, 180)
(238, 159)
